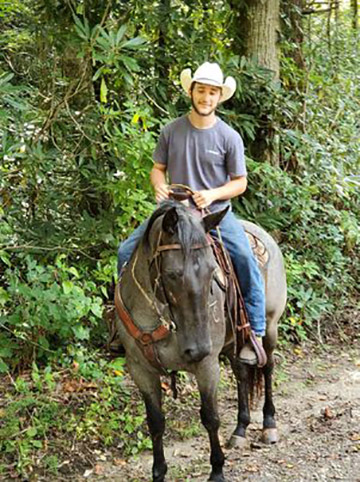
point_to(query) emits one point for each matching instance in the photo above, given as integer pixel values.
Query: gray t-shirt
(201, 158)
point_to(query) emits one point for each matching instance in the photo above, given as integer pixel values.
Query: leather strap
(259, 350)
(145, 339)
(170, 247)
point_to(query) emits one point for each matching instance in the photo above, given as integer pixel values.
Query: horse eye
(173, 274)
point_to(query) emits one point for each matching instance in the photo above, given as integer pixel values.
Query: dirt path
(318, 413)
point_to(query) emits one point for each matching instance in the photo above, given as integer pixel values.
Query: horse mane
(188, 231)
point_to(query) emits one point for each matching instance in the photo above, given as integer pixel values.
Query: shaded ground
(318, 412)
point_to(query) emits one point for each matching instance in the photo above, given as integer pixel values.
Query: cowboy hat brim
(228, 87)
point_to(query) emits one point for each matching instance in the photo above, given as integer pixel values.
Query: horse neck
(136, 288)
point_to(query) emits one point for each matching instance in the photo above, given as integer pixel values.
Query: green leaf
(120, 33)
(97, 310)
(67, 287)
(4, 296)
(31, 432)
(117, 364)
(133, 43)
(103, 91)
(3, 366)
(81, 332)
(74, 271)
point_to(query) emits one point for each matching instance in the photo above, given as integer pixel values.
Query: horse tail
(256, 384)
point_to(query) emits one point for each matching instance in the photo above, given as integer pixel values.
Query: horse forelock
(188, 229)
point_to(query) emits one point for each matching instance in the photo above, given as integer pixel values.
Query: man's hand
(162, 191)
(203, 199)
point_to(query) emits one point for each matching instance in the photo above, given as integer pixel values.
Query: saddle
(234, 301)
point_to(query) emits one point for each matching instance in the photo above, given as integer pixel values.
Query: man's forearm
(233, 188)
(157, 177)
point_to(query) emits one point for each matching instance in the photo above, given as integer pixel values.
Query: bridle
(158, 279)
(146, 338)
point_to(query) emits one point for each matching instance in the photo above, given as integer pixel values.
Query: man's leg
(247, 271)
(127, 247)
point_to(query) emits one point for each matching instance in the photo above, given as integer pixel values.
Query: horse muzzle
(195, 353)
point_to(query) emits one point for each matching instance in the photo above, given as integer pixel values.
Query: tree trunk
(355, 13)
(260, 30)
(259, 27)
(295, 32)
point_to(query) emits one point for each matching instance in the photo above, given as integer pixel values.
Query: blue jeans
(245, 264)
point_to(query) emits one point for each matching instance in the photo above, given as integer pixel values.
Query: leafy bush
(42, 308)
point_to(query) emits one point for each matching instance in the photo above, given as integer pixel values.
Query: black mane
(188, 230)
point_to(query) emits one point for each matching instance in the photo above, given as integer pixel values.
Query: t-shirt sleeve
(160, 154)
(235, 156)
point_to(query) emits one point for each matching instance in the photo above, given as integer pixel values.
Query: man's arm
(233, 188)
(158, 181)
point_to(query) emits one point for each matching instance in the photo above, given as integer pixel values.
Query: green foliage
(47, 414)
(44, 307)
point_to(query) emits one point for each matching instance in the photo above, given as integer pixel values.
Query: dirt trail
(318, 411)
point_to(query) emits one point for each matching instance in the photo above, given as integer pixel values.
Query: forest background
(85, 87)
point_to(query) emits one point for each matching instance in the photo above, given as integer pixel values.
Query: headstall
(147, 339)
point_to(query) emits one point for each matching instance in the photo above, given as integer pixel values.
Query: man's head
(210, 76)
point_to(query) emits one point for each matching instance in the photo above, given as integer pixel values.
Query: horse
(172, 317)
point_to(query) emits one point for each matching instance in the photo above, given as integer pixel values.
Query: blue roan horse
(175, 320)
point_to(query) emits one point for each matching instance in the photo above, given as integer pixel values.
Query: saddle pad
(259, 249)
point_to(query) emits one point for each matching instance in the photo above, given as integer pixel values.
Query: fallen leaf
(120, 462)
(165, 386)
(99, 469)
(252, 468)
(328, 413)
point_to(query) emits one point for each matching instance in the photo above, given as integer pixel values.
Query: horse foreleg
(241, 372)
(269, 435)
(148, 383)
(208, 383)
(156, 423)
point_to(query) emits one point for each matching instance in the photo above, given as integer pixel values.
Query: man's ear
(170, 221)
(212, 220)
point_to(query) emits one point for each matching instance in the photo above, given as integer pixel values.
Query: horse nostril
(196, 354)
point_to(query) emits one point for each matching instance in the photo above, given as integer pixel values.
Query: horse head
(181, 268)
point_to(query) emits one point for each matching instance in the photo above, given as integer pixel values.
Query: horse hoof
(236, 442)
(217, 478)
(269, 436)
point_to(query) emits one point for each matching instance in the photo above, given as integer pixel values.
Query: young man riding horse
(201, 151)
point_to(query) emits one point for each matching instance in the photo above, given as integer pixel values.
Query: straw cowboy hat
(209, 74)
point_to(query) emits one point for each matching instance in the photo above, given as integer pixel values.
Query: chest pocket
(213, 157)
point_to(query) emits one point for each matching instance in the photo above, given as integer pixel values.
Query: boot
(247, 354)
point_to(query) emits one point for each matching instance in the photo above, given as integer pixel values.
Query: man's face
(205, 98)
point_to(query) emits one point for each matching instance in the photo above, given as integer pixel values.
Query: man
(202, 151)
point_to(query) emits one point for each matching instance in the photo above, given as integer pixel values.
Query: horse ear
(170, 221)
(212, 220)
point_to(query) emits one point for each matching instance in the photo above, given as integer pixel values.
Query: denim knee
(126, 247)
